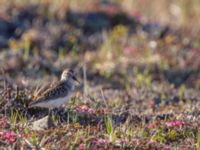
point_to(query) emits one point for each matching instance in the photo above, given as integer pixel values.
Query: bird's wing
(59, 90)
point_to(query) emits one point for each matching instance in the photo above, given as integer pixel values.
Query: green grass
(17, 117)
(198, 139)
(142, 78)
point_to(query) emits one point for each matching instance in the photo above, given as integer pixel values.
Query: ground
(138, 63)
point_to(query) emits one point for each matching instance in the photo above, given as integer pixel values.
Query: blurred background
(44, 36)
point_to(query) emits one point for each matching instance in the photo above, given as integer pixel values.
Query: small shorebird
(59, 94)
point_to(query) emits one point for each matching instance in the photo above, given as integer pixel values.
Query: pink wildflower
(152, 126)
(129, 50)
(151, 142)
(137, 141)
(85, 109)
(121, 142)
(164, 147)
(175, 123)
(9, 136)
(100, 142)
(91, 111)
(82, 146)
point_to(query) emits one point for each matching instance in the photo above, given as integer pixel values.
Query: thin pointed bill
(76, 80)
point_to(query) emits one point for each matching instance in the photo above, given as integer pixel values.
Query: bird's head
(69, 74)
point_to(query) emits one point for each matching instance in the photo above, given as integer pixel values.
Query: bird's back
(61, 89)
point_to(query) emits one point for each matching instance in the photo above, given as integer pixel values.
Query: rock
(96, 21)
(42, 124)
(179, 76)
(3, 42)
(7, 30)
(156, 100)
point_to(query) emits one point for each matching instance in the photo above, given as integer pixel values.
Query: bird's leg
(50, 112)
(53, 112)
(51, 118)
(61, 112)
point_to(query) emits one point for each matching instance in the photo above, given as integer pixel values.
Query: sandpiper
(59, 94)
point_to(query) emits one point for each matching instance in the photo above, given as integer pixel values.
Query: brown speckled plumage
(58, 93)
